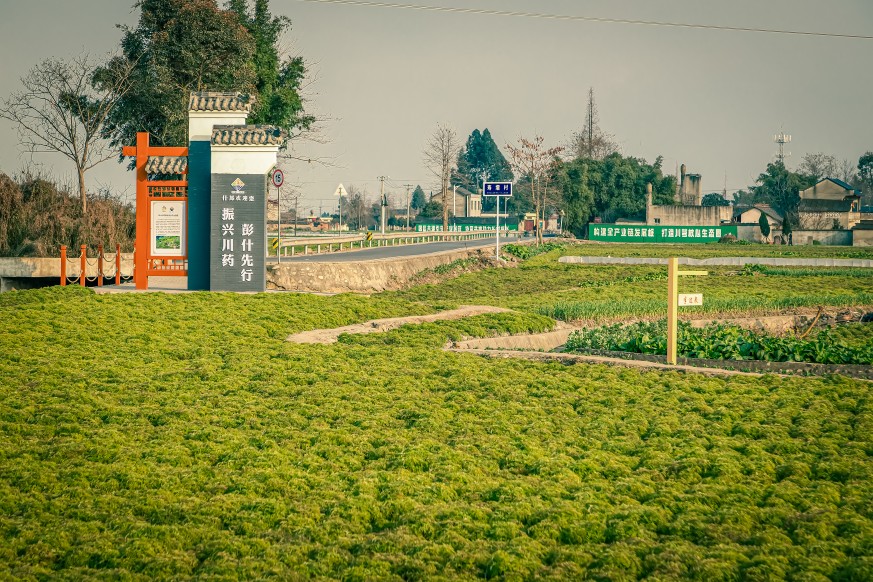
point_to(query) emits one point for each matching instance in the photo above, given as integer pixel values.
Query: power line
(576, 18)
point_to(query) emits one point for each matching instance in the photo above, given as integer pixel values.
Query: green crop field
(602, 292)
(179, 436)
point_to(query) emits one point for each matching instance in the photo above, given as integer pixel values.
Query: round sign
(278, 178)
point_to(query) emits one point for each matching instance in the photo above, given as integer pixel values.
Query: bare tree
(356, 207)
(847, 171)
(818, 221)
(592, 142)
(533, 160)
(440, 155)
(819, 166)
(63, 108)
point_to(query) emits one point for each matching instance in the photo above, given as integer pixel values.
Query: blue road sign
(498, 189)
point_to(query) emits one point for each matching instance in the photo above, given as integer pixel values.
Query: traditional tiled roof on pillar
(220, 101)
(225, 135)
(166, 165)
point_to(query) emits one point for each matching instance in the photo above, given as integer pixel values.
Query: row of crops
(848, 345)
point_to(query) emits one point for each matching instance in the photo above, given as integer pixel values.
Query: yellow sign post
(673, 274)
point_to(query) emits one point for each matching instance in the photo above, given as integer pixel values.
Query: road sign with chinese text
(498, 189)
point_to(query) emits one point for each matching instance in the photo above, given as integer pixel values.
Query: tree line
(589, 178)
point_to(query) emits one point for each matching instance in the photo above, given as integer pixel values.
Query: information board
(168, 228)
(658, 233)
(237, 249)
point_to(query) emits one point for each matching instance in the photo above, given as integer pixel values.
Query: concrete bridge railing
(294, 246)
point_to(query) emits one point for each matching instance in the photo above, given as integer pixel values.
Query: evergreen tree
(418, 199)
(781, 188)
(714, 199)
(480, 160)
(180, 46)
(277, 82)
(611, 188)
(764, 225)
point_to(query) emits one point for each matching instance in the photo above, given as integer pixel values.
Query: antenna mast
(781, 139)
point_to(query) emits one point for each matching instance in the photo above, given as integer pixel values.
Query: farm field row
(180, 436)
(602, 292)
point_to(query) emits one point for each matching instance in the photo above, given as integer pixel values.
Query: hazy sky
(384, 77)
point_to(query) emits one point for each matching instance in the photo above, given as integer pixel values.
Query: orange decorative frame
(147, 191)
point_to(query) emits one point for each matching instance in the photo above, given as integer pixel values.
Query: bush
(37, 217)
(525, 252)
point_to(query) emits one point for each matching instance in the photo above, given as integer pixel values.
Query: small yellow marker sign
(674, 301)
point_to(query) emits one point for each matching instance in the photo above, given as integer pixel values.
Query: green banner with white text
(658, 233)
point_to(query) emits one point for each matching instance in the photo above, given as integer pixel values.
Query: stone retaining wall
(357, 277)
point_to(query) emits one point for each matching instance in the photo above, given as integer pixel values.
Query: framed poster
(168, 228)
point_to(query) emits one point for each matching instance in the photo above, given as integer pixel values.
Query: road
(394, 252)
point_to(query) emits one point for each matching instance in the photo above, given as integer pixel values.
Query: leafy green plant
(724, 342)
(525, 252)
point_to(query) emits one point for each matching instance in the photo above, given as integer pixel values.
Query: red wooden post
(141, 250)
(63, 265)
(84, 264)
(100, 265)
(118, 264)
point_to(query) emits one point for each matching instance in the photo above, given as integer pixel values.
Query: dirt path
(329, 336)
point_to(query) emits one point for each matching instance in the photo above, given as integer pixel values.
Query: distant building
(687, 210)
(830, 204)
(462, 202)
(689, 191)
(862, 234)
(752, 215)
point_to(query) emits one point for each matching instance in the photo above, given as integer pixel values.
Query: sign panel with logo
(237, 249)
(168, 228)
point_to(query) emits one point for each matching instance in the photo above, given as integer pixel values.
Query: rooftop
(813, 205)
(166, 165)
(248, 135)
(220, 101)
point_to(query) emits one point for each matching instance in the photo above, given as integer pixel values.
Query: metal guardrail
(294, 246)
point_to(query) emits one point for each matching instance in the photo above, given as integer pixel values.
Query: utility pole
(408, 188)
(384, 202)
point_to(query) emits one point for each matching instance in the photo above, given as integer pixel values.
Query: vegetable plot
(730, 342)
